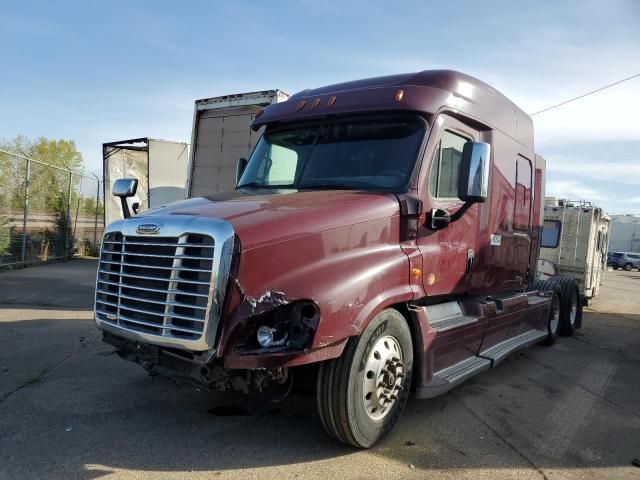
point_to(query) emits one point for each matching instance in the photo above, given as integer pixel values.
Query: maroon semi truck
(384, 230)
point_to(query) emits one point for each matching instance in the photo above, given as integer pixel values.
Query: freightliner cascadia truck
(383, 236)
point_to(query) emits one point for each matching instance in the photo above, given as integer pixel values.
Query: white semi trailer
(575, 240)
(221, 135)
(160, 166)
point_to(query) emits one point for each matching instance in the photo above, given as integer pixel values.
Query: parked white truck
(575, 238)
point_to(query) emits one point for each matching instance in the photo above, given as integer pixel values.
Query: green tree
(59, 153)
(48, 186)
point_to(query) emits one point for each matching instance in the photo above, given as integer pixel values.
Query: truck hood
(263, 217)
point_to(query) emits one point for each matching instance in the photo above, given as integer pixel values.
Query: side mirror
(125, 188)
(240, 167)
(473, 179)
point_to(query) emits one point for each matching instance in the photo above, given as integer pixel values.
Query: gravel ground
(69, 408)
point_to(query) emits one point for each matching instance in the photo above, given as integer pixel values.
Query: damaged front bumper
(247, 371)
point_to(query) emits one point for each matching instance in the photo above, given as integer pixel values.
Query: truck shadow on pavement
(85, 413)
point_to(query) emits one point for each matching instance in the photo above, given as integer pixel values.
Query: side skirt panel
(446, 379)
(499, 352)
(450, 377)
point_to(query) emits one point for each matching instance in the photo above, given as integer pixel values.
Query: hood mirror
(125, 188)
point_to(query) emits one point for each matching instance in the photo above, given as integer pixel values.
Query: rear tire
(627, 267)
(553, 318)
(571, 305)
(362, 394)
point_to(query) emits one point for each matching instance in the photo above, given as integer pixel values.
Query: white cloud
(611, 171)
(572, 190)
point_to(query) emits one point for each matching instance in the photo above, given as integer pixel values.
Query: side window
(443, 182)
(282, 166)
(551, 234)
(523, 195)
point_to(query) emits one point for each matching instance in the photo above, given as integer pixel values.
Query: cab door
(448, 253)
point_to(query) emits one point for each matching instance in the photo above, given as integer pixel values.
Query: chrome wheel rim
(383, 377)
(554, 315)
(573, 312)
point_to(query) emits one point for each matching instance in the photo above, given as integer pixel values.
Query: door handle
(439, 219)
(469, 261)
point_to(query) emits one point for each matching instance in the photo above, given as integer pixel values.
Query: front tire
(362, 394)
(627, 267)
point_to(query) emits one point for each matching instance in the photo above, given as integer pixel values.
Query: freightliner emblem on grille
(148, 228)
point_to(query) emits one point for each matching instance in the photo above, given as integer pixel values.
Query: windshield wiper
(336, 186)
(327, 186)
(267, 186)
(254, 185)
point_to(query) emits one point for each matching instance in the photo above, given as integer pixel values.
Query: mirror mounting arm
(126, 213)
(460, 212)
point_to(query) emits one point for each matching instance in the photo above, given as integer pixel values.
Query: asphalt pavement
(70, 408)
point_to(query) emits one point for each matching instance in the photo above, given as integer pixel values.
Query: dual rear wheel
(565, 314)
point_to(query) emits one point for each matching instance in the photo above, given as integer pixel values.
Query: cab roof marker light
(332, 101)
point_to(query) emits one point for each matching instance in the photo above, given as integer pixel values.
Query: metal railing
(46, 212)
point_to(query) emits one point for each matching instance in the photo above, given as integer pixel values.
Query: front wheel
(362, 394)
(627, 267)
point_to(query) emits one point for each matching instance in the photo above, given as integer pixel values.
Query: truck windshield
(359, 154)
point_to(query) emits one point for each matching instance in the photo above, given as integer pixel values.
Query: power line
(586, 94)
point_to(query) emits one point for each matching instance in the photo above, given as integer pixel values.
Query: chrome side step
(446, 379)
(445, 316)
(499, 352)
(452, 322)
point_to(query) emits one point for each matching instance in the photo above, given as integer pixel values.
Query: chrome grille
(156, 285)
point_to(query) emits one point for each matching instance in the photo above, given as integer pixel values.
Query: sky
(95, 72)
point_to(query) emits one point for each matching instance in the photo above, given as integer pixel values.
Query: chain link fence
(46, 212)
